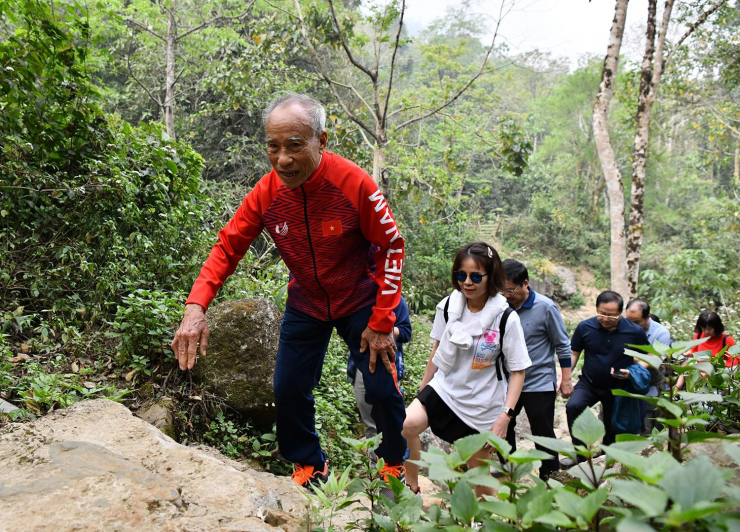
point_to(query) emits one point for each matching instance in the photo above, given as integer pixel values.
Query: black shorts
(444, 422)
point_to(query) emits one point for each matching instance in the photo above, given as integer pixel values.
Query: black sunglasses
(462, 276)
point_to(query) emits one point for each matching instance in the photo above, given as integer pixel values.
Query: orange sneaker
(306, 475)
(397, 471)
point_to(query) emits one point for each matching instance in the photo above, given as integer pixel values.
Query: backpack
(500, 361)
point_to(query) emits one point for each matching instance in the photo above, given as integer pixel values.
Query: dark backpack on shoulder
(500, 362)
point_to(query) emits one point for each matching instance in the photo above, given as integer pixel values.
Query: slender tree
(377, 131)
(625, 254)
(171, 39)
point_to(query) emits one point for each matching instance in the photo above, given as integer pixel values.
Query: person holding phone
(602, 339)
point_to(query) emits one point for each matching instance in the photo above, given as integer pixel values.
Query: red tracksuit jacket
(323, 230)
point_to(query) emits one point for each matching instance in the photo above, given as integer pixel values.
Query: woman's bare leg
(416, 422)
(476, 461)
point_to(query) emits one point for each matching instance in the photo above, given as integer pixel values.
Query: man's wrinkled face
(608, 315)
(293, 147)
(634, 314)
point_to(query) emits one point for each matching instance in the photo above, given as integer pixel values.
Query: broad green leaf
(695, 436)
(624, 393)
(443, 473)
(692, 398)
(633, 525)
(521, 456)
(641, 349)
(651, 500)
(504, 509)
(555, 518)
(733, 451)
(593, 502)
(679, 518)
(406, 512)
(705, 483)
(583, 473)
(490, 525)
(464, 503)
(651, 360)
(631, 443)
(385, 523)
(588, 428)
(469, 445)
(498, 443)
(568, 502)
(684, 346)
(479, 476)
(559, 446)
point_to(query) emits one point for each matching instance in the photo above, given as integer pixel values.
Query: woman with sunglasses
(464, 390)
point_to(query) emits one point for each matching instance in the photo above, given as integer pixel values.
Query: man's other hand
(193, 330)
(380, 344)
(566, 388)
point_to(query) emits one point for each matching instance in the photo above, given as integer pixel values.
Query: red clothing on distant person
(714, 345)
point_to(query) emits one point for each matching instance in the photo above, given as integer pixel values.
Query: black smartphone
(621, 374)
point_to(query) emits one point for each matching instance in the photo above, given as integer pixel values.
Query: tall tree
(171, 35)
(625, 255)
(373, 114)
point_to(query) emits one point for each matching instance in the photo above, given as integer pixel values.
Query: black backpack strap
(724, 341)
(501, 371)
(447, 306)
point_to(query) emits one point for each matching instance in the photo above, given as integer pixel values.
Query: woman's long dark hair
(709, 318)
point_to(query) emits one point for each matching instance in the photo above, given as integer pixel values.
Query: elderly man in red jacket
(324, 213)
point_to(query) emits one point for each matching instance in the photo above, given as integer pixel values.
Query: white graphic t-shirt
(471, 387)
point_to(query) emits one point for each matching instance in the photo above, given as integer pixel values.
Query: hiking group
(496, 340)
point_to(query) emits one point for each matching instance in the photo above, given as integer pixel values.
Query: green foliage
(92, 209)
(240, 440)
(143, 323)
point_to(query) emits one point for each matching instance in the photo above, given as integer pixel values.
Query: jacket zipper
(313, 256)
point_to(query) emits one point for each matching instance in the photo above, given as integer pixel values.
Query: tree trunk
(736, 173)
(169, 100)
(652, 71)
(608, 160)
(379, 170)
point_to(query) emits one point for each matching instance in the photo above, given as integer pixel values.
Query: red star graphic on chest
(333, 227)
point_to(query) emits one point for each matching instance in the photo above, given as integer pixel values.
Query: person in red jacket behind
(324, 214)
(709, 325)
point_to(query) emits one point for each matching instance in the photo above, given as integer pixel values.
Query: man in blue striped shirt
(546, 338)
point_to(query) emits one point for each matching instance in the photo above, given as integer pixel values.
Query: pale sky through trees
(567, 28)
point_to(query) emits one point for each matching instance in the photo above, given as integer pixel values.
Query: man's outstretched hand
(380, 344)
(193, 330)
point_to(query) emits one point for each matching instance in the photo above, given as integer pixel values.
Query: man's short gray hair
(314, 109)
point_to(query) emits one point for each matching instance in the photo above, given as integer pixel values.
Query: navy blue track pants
(300, 359)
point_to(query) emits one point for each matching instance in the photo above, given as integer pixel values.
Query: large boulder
(242, 349)
(565, 283)
(95, 467)
(556, 282)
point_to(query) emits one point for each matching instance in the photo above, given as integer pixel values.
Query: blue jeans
(300, 359)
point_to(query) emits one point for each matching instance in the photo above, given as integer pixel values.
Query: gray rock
(428, 439)
(542, 285)
(242, 349)
(160, 414)
(95, 467)
(7, 408)
(567, 286)
(556, 282)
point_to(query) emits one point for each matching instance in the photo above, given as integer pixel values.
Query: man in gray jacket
(546, 337)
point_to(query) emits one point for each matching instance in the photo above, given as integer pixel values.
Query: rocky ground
(96, 467)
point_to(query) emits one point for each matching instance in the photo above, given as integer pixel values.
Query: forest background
(123, 156)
